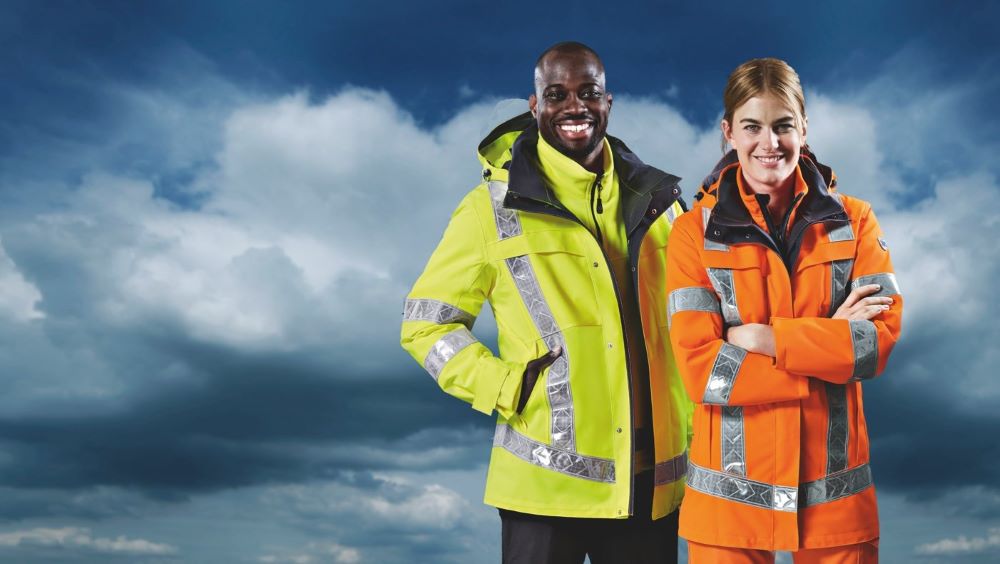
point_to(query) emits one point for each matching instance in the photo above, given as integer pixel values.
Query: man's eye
(554, 96)
(592, 94)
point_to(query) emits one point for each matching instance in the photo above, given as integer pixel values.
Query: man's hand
(857, 306)
(531, 372)
(754, 337)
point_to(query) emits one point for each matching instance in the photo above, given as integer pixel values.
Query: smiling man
(566, 239)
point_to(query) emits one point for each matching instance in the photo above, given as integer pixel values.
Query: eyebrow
(779, 120)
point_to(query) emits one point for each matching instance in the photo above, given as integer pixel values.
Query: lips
(575, 129)
(770, 160)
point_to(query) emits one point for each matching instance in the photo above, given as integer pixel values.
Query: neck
(780, 196)
(594, 162)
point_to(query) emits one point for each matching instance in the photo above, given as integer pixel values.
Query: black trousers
(538, 539)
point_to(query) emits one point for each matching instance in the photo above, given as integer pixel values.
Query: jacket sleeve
(439, 313)
(839, 350)
(714, 371)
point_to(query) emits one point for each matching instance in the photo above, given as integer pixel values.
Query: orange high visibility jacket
(779, 459)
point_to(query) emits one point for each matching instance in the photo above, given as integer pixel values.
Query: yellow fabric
(471, 265)
(574, 186)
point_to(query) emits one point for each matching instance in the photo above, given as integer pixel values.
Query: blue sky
(211, 213)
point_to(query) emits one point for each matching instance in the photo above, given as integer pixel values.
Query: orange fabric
(861, 553)
(785, 412)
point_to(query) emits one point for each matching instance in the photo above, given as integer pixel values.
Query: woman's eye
(783, 128)
(752, 128)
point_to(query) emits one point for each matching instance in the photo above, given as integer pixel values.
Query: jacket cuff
(503, 398)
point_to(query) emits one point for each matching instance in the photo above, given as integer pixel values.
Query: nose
(574, 104)
(771, 139)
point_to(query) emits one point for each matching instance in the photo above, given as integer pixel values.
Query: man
(590, 445)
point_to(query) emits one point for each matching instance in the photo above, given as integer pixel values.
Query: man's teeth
(574, 128)
(769, 160)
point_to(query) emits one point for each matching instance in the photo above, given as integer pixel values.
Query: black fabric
(536, 539)
(567, 540)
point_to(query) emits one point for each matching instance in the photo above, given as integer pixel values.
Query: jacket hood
(812, 170)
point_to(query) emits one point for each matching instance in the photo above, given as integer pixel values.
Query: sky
(211, 212)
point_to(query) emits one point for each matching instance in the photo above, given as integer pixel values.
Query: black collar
(644, 189)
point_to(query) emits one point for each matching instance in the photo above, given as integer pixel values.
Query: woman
(782, 301)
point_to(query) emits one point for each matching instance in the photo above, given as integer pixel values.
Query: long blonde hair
(757, 77)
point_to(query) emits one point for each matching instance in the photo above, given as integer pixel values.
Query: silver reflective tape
(445, 349)
(742, 490)
(840, 276)
(692, 299)
(733, 451)
(836, 486)
(722, 281)
(723, 374)
(672, 213)
(436, 312)
(837, 430)
(710, 245)
(864, 338)
(670, 471)
(507, 220)
(557, 382)
(841, 232)
(885, 279)
(554, 458)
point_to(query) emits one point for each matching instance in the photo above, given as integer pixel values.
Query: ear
(610, 99)
(727, 131)
(805, 127)
(533, 105)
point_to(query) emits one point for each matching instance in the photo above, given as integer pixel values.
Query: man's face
(571, 106)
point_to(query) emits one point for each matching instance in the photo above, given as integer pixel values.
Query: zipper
(595, 190)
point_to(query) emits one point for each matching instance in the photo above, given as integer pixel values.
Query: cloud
(962, 545)
(77, 538)
(18, 297)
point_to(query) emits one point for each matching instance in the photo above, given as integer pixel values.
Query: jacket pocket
(551, 276)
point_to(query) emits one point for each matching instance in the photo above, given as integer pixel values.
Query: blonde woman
(783, 301)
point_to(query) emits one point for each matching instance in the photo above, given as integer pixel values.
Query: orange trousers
(862, 553)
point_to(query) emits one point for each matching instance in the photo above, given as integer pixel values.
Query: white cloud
(18, 297)
(962, 545)
(316, 552)
(81, 539)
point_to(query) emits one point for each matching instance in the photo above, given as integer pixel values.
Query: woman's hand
(754, 337)
(857, 306)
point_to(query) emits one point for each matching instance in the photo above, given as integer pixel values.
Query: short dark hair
(567, 47)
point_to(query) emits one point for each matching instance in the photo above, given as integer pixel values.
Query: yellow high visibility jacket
(570, 451)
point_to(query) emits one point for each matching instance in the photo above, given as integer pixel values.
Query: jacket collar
(639, 182)
(730, 216)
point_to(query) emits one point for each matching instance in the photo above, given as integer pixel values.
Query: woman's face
(767, 141)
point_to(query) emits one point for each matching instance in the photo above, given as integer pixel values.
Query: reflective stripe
(692, 299)
(840, 276)
(742, 490)
(445, 349)
(733, 453)
(836, 486)
(722, 281)
(557, 381)
(710, 245)
(840, 233)
(553, 458)
(837, 431)
(670, 471)
(436, 312)
(864, 338)
(780, 498)
(885, 279)
(672, 213)
(507, 220)
(723, 374)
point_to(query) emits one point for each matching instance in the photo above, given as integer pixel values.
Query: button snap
(747, 235)
(595, 264)
(652, 211)
(717, 232)
(610, 345)
(619, 429)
